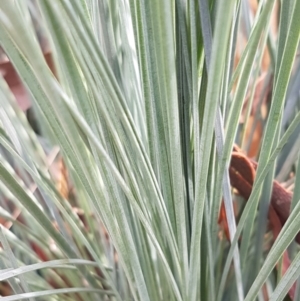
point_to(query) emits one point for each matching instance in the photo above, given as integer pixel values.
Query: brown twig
(242, 172)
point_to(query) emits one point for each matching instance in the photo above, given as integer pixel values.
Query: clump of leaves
(119, 199)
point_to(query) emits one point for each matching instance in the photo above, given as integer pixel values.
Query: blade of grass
(203, 150)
